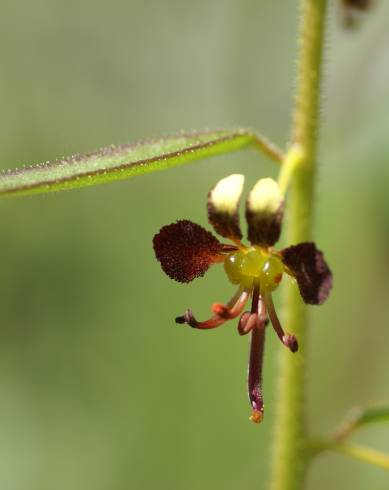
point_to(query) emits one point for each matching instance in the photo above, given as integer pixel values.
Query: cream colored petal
(223, 204)
(264, 212)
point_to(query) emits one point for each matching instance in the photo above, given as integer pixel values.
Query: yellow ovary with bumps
(254, 265)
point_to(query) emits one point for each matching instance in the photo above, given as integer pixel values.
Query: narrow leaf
(129, 160)
(365, 454)
(359, 417)
(372, 415)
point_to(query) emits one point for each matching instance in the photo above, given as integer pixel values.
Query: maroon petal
(307, 264)
(186, 250)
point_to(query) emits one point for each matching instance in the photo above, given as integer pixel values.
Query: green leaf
(359, 417)
(362, 453)
(371, 415)
(129, 160)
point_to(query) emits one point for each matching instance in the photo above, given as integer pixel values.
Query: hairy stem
(290, 455)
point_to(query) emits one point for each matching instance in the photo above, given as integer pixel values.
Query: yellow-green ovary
(244, 267)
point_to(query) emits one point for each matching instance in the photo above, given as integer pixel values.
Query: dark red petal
(186, 250)
(307, 264)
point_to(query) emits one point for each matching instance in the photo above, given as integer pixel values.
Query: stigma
(254, 265)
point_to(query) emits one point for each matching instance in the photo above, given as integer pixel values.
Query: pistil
(254, 378)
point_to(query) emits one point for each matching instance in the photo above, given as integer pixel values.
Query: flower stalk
(290, 456)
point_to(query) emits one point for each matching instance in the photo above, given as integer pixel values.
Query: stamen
(254, 303)
(291, 342)
(287, 339)
(230, 311)
(190, 319)
(227, 248)
(233, 308)
(254, 380)
(248, 320)
(246, 323)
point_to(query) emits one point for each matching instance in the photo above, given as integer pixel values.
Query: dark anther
(188, 318)
(290, 341)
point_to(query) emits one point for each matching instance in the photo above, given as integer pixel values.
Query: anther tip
(256, 417)
(188, 318)
(291, 342)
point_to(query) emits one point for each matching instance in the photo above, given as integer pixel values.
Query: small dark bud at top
(357, 4)
(352, 10)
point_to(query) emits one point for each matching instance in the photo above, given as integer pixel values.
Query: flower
(186, 251)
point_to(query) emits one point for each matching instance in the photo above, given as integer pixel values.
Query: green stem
(356, 451)
(290, 454)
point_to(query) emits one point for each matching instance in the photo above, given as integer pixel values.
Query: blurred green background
(99, 388)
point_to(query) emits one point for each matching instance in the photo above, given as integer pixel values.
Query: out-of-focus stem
(290, 458)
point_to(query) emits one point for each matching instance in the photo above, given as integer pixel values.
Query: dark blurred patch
(352, 11)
